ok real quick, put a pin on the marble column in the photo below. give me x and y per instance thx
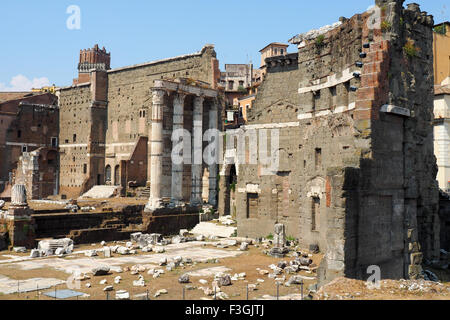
(157, 148)
(177, 168)
(19, 196)
(197, 152)
(213, 168)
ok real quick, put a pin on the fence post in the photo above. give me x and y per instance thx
(215, 294)
(278, 291)
(301, 284)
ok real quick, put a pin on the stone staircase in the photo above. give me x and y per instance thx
(101, 192)
(143, 193)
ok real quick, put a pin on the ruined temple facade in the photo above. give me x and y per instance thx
(107, 119)
(356, 173)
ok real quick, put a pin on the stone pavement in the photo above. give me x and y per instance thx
(10, 286)
(192, 250)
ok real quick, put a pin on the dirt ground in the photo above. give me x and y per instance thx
(348, 289)
(248, 262)
(98, 204)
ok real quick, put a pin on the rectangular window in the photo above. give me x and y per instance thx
(252, 205)
(318, 158)
(345, 94)
(315, 213)
(85, 168)
(74, 138)
(333, 97)
(316, 100)
(54, 142)
(24, 149)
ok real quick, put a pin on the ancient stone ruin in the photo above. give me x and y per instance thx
(351, 112)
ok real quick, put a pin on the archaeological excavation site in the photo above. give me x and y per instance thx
(323, 174)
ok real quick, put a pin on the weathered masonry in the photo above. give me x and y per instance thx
(185, 112)
(356, 174)
(29, 128)
(106, 119)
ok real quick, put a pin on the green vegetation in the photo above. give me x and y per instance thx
(441, 29)
(269, 237)
(242, 90)
(291, 239)
(319, 40)
(233, 186)
(386, 26)
(410, 49)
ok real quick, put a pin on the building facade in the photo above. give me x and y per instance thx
(106, 123)
(347, 121)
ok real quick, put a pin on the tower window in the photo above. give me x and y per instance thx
(318, 158)
(315, 212)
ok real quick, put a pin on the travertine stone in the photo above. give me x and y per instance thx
(197, 154)
(213, 168)
(177, 168)
(19, 195)
(158, 106)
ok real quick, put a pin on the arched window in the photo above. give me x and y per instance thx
(108, 174)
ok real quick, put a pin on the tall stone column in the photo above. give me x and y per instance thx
(157, 148)
(177, 168)
(213, 168)
(197, 152)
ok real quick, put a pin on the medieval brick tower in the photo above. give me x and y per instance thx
(94, 58)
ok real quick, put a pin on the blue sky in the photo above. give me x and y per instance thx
(37, 47)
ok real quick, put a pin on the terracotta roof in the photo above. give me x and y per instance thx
(278, 44)
(7, 96)
(438, 90)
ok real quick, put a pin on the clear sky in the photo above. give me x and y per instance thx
(38, 48)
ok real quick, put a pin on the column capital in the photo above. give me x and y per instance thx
(158, 95)
(179, 98)
(214, 106)
(199, 99)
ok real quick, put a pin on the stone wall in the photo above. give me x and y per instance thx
(444, 218)
(26, 124)
(39, 172)
(356, 173)
(110, 115)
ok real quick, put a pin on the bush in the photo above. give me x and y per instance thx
(440, 29)
(269, 237)
(386, 26)
(319, 40)
(410, 49)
